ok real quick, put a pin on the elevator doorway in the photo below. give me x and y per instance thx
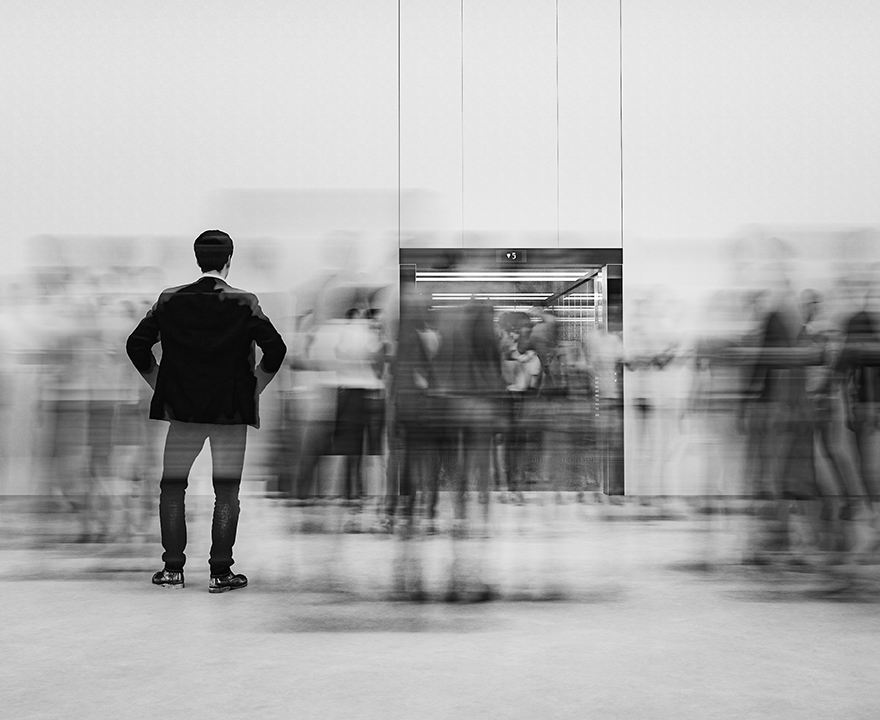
(558, 321)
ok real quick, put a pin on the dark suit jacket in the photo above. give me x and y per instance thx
(208, 331)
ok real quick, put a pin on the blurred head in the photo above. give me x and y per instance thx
(213, 250)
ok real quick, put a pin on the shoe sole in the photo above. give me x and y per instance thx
(215, 591)
(172, 586)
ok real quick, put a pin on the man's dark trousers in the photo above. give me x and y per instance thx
(182, 446)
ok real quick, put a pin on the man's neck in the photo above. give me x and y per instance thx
(214, 273)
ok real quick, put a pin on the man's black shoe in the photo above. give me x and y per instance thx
(224, 583)
(168, 579)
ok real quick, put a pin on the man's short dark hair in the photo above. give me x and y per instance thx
(213, 250)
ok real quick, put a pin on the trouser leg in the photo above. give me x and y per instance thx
(227, 455)
(392, 471)
(182, 445)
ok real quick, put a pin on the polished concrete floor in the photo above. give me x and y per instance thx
(603, 612)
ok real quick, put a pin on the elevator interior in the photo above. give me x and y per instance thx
(579, 421)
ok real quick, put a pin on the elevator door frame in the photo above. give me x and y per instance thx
(609, 263)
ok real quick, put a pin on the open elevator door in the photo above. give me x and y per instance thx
(579, 291)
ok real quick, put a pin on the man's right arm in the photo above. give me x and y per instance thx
(140, 348)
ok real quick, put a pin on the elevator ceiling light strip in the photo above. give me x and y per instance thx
(487, 273)
(498, 308)
(523, 308)
(490, 276)
(490, 296)
(499, 278)
(575, 271)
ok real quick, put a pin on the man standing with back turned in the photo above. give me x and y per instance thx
(206, 387)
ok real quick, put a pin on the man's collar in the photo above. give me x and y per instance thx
(213, 274)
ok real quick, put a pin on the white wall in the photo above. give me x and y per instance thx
(166, 118)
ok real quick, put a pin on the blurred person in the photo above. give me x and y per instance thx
(781, 428)
(22, 370)
(580, 410)
(544, 342)
(715, 394)
(102, 396)
(207, 388)
(652, 347)
(136, 440)
(710, 416)
(375, 446)
(554, 418)
(507, 336)
(357, 352)
(68, 329)
(524, 369)
(413, 423)
(316, 366)
(470, 385)
(859, 361)
(108, 387)
(823, 386)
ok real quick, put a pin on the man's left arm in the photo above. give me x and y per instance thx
(269, 340)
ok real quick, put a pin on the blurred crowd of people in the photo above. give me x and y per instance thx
(796, 381)
(776, 389)
(767, 402)
(75, 432)
(456, 397)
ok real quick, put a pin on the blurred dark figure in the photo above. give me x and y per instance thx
(470, 389)
(781, 426)
(860, 364)
(823, 386)
(412, 425)
(207, 387)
